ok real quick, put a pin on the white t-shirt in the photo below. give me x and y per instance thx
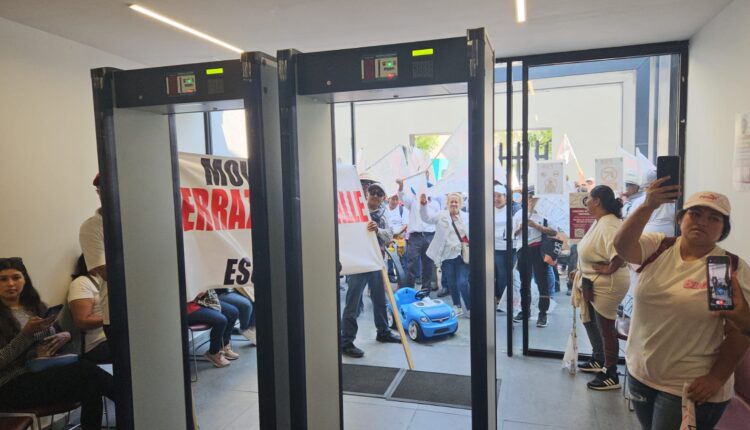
(91, 238)
(83, 288)
(397, 218)
(501, 230)
(415, 220)
(662, 220)
(673, 337)
(534, 234)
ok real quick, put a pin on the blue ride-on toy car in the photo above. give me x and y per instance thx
(421, 316)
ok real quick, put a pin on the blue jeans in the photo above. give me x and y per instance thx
(657, 410)
(243, 305)
(221, 324)
(357, 285)
(456, 274)
(501, 271)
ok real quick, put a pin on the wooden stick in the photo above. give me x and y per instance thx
(397, 318)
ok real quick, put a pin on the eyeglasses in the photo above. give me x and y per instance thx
(377, 193)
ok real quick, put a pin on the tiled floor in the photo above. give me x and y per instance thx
(535, 393)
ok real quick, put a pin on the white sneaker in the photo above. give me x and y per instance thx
(250, 335)
(229, 354)
(458, 310)
(217, 359)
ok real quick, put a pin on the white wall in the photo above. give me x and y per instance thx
(48, 150)
(718, 88)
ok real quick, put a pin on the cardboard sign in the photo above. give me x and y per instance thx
(358, 248)
(580, 218)
(610, 172)
(216, 225)
(550, 178)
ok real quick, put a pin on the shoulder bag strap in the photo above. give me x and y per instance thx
(665, 244)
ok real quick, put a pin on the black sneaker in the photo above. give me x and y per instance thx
(541, 320)
(605, 380)
(592, 366)
(352, 351)
(444, 292)
(518, 318)
(388, 338)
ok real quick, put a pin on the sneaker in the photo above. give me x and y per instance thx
(458, 310)
(444, 292)
(388, 338)
(569, 292)
(605, 380)
(541, 320)
(500, 310)
(249, 334)
(518, 318)
(229, 354)
(352, 351)
(592, 366)
(467, 314)
(217, 359)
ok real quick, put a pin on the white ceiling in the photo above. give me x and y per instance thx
(313, 25)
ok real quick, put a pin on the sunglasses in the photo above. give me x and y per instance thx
(377, 193)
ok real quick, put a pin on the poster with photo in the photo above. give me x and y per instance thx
(741, 177)
(610, 172)
(550, 178)
(580, 218)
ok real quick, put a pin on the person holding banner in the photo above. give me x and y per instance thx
(451, 237)
(420, 237)
(378, 224)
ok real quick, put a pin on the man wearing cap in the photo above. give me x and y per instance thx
(91, 239)
(398, 219)
(632, 193)
(502, 231)
(356, 284)
(420, 237)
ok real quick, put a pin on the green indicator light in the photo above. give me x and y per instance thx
(422, 52)
(216, 71)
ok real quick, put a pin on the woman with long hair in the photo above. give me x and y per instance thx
(601, 283)
(24, 335)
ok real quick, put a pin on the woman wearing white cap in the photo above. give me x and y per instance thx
(675, 343)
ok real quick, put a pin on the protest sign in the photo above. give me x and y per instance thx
(216, 224)
(580, 218)
(358, 248)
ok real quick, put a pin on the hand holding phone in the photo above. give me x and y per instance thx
(53, 311)
(719, 278)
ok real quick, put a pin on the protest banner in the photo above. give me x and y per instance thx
(550, 178)
(358, 248)
(216, 224)
(580, 218)
(610, 172)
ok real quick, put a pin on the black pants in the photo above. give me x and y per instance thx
(416, 249)
(532, 255)
(100, 354)
(603, 337)
(81, 382)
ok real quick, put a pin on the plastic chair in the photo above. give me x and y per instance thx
(622, 327)
(192, 329)
(36, 414)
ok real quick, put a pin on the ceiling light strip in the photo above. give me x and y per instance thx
(521, 10)
(183, 27)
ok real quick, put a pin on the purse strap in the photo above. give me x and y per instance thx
(460, 239)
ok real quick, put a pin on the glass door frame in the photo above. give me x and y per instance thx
(679, 48)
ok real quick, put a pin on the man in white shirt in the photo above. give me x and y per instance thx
(91, 238)
(420, 237)
(398, 218)
(532, 255)
(501, 245)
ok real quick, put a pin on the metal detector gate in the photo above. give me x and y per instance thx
(308, 84)
(134, 113)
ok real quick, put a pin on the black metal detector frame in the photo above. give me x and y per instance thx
(217, 85)
(307, 83)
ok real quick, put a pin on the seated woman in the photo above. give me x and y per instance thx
(451, 231)
(84, 305)
(244, 307)
(675, 341)
(25, 335)
(221, 317)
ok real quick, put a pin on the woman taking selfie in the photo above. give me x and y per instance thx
(676, 342)
(25, 335)
(602, 282)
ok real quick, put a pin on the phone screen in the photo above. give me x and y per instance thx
(53, 311)
(719, 285)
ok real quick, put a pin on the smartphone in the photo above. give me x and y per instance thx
(668, 165)
(719, 283)
(53, 311)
